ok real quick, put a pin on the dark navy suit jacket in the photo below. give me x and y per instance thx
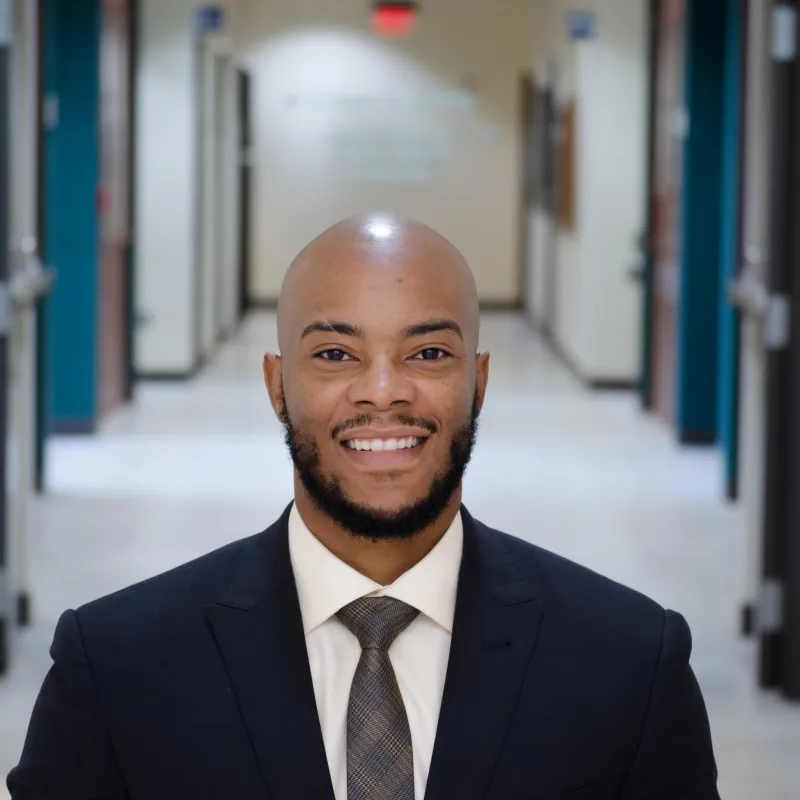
(196, 684)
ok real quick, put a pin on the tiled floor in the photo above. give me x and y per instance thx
(192, 466)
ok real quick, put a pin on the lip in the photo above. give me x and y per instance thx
(377, 460)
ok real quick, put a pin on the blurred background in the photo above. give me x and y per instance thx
(622, 175)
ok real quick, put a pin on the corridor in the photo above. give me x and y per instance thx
(191, 466)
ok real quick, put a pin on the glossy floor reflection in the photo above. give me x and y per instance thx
(192, 466)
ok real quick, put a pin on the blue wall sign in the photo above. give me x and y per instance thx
(210, 19)
(582, 25)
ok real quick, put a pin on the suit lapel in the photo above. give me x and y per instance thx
(259, 631)
(495, 629)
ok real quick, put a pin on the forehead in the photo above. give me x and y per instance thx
(380, 294)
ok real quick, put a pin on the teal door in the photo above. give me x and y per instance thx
(730, 239)
(71, 147)
(701, 278)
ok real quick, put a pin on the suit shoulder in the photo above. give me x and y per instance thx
(582, 597)
(190, 585)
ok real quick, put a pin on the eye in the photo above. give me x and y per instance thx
(431, 354)
(333, 355)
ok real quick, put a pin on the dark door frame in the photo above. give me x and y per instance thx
(778, 609)
(527, 99)
(42, 371)
(549, 283)
(646, 243)
(244, 88)
(6, 603)
(130, 253)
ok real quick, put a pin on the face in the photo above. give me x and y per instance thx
(379, 394)
(364, 519)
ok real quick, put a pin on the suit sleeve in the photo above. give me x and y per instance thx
(675, 758)
(67, 751)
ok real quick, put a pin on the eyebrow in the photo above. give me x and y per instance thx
(409, 332)
(432, 326)
(332, 326)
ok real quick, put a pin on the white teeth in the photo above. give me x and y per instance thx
(380, 445)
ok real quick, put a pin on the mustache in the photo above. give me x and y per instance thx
(364, 420)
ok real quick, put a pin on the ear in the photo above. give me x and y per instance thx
(273, 379)
(481, 377)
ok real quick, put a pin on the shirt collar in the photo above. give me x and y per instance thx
(325, 583)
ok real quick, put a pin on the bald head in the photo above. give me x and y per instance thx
(378, 332)
(376, 258)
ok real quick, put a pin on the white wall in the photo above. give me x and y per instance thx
(169, 298)
(597, 314)
(308, 57)
(165, 181)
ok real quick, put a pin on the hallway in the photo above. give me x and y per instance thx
(191, 466)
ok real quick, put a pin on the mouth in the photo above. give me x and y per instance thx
(384, 453)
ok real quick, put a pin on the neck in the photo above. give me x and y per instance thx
(384, 560)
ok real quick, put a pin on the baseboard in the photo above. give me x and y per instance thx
(172, 377)
(612, 385)
(74, 427)
(166, 377)
(594, 384)
(23, 610)
(700, 438)
(5, 645)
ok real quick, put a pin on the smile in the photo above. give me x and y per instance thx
(382, 445)
(379, 454)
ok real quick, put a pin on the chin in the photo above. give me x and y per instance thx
(385, 502)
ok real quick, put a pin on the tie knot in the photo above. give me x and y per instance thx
(377, 621)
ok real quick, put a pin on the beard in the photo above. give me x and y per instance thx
(362, 520)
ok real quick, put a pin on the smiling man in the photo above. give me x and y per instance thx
(377, 642)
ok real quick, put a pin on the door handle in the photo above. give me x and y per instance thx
(636, 271)
(32, 280)
(749, 295)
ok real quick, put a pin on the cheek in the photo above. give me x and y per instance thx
(453, 406)
(315, 407)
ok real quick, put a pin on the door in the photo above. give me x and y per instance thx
(29, 282)
(218, 200)
(643, 270)
(527, 108)
(545, 233)
(245, 187)
(6, 593)
(114, 205)
(778, 606)
(540, 201)
(226, 156)
(735, 22)
(768, 292)
(749, 292)
(207, 228)
(669, 131)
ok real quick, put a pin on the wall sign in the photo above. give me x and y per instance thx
(210, 19)
(582, 25)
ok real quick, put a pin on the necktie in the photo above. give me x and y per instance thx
(380, 763)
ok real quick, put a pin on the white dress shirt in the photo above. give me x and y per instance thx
(419, 655)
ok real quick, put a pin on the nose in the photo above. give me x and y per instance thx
(382, 384)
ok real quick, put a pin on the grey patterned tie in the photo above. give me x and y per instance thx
(380, 762)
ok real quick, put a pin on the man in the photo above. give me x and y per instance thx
(376, 642)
